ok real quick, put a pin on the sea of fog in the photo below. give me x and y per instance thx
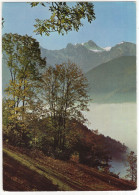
(119, 121)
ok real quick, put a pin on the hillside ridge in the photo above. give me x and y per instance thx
(113, 81)
(70, 177)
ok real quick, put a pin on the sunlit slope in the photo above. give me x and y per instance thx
(114, 81)
(41, 173)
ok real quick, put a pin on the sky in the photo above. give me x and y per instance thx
(115, 22)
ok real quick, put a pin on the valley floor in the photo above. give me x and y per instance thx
(32, 171)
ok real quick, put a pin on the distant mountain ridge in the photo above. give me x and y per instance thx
(111, 71)
(113, 81)
(92, 46)
(88, 55)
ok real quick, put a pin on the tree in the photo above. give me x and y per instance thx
(23, 58)
(66, 97)
(132, 166)
(92, 148)
(64, 17)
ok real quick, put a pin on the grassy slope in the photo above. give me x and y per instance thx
(40, 173)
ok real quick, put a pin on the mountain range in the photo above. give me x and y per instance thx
(88, 55)
(111, 71)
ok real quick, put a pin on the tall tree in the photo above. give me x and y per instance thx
(64, 17)
(132, 166)
(66, 97)
(23, 58)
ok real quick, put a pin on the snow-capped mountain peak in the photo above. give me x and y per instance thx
(121, 43)
(107, 48)
(96, 50)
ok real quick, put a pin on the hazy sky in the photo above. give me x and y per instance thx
(115, 22)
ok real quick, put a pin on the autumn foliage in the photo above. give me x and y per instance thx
(43, 107)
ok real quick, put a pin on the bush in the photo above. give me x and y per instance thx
(45, 144)
(62, 154)
(17, 136)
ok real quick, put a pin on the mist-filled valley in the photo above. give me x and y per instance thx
(117, 121)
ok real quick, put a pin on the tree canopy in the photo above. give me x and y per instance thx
(23, 58)
(65, 17)
(65, 94)
(132, 166)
